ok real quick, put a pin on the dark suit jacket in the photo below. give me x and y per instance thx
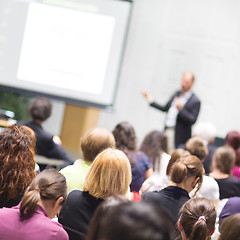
(185, 118)
(45, 145)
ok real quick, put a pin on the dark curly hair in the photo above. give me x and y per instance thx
(17, 163)
(153, 143)
(40, 108)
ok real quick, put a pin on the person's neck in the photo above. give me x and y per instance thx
(37, 121)
(216, 173)
(182, 185)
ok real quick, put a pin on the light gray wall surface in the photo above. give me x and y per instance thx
(168, 37)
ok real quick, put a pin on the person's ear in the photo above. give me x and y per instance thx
(195, 181)
(59, 201)
(180, 226)
(212, 232)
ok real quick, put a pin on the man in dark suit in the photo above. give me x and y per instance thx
(182, 110)
(46, 145)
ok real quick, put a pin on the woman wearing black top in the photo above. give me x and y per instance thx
(184, 175)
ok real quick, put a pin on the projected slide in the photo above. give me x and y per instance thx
(66, 48)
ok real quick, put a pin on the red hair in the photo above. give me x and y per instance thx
(17, 163)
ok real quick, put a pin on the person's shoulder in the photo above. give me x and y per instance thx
(61, 234)
(151, 196)
(195, 98)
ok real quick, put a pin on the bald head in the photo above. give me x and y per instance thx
(187, 81)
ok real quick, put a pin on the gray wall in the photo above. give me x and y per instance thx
(168, 37)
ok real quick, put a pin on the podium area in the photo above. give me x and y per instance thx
(76, 121)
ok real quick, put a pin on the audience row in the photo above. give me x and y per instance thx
(174, 190)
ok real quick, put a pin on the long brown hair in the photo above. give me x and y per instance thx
(126, 140)
(17, 163)
(153, 143)
(48, 185)
(198, 217)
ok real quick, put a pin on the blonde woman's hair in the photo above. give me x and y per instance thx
(110, 174)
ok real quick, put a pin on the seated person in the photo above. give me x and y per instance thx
(154, 145)
(231, 207)
(92, 143)
(130, 221)
(17, 144)
(109, 175)
(209, 188)
(207, 132)
(159, 181)
(31, 219)
(126, 141)
(46, 145)
(230, 228)
(197, 219)
(185, 174)
(222, 164)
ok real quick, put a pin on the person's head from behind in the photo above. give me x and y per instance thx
(197, 147)
(40, 109)
(154, 144)
(223, 159)
(94, 141)
(230, 228)
(110, 174)
(233, 139)
(131, 221)
(17, 163)
(197, 219)
(125, 136)
(187, 172)
(187, 81)
(176, 154)
(102, 210)
(205, 130)
(49, 190)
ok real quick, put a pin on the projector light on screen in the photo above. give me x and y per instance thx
(69, 57)
(70, 50)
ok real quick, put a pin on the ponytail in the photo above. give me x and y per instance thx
(48, 185)
(199, 230)
(29, 203)
(185, 167)
(198, 217)
(178, 172)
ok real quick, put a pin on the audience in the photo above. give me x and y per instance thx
(230, 229)
(233, 139)
(131, 221)
(154, 145)
(209, 188)
(197, 219)
(47, 145)
(92, 143)
(236, 169)
(185, 174)
(102, 210)
(17, 163)
(158, 181)
(109, 174)
(231, 207)
(41, 202)
(222, 164)
(207, 132)
(125, 138)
